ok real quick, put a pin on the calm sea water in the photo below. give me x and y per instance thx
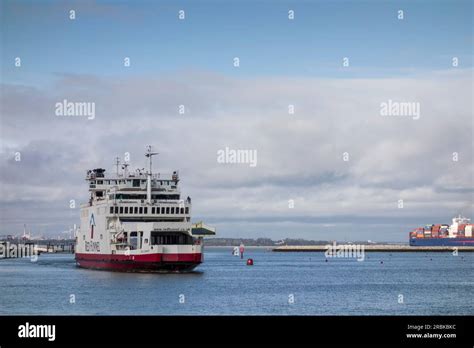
(430, 283)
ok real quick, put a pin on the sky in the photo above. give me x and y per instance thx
(282, 62)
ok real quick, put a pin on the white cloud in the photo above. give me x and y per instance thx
(299, 156)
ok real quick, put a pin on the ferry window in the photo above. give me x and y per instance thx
(99, 182)
(133, 240)
(116, 210)
(126, 210)
(136, 210)
(187, 210)
(158, 238)
(167, 210)
(101, 236)
(121, 210)
(146, 240)
(136, 183)
(172, 210)
(182, 210)
(162, 210)
(141, 210)
(99, 193)
(145, 210)
(111, 210)
(153, 210)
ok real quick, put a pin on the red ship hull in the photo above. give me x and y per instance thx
(140, 263)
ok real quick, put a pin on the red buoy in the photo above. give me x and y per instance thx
(249, 262)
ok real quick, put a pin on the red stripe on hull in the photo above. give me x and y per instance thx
(140, 263)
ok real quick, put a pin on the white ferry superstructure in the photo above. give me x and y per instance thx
(136, 222)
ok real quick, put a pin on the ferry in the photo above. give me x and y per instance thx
(137, 222)
(459, 233)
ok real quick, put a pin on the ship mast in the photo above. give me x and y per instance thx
(149, 154)
(117, 164)
(125, 169)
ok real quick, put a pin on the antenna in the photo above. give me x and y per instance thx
(125, 170)
(149, 153)
(117, 164)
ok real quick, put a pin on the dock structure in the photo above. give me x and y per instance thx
(38, 246)
(374, 247)
(202, 230)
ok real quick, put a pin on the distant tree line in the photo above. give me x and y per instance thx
(260, 242)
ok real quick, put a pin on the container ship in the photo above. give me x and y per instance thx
(459, 233)
(137, 222)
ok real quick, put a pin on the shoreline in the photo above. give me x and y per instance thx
(378, 247)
